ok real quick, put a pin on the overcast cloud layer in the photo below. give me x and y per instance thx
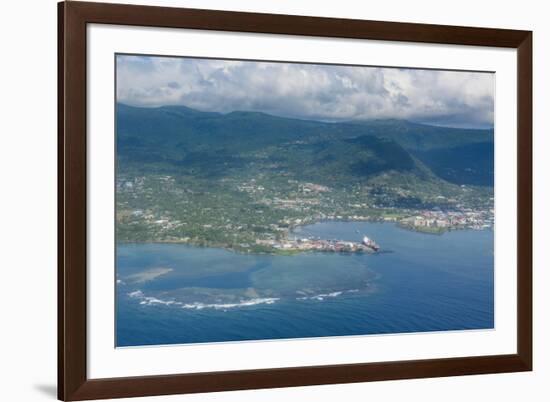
(306, 91)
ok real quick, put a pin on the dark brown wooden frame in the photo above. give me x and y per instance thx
(73, 383)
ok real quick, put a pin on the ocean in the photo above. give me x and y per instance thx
(178, 294)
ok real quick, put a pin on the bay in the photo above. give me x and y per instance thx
(177, 294)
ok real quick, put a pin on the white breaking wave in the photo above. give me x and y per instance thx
(323, 296)
(153, 300)
(223, 306)
(149, 301)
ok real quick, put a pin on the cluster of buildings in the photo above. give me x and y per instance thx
(309, 244)
(451, 219)
(250, 187)
(316, 188)
(297, 204)
(129, 184)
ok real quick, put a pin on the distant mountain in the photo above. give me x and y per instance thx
(423, 137)
(465, 164)
(215, 144)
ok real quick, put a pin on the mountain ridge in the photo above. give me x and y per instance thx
(382, 121)
(186, 138)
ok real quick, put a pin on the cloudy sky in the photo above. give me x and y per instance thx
(308, 91)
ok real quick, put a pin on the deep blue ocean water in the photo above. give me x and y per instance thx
(170, 293)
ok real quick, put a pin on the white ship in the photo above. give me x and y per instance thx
(370, 243)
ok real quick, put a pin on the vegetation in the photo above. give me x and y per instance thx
(233, 180)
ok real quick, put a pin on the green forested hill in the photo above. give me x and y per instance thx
(422, 137)
(231, 179)
(179, 139)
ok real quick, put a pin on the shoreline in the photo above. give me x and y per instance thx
(269, 250)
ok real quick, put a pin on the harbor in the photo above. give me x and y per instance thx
(367, 245)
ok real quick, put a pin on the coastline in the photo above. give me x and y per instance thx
(399, 285)
(269, 250)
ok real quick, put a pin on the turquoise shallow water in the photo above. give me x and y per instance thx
(169, 293)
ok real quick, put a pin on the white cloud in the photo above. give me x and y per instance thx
(310, 91)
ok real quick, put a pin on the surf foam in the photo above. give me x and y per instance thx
(223, 306)
(149, 301)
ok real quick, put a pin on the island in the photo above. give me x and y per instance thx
(245, 181)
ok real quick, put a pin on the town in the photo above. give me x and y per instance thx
(439, 221)
(260, 214)
(311, 244)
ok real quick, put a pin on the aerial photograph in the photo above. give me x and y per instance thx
(263, 200)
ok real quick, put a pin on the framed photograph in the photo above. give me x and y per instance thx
(254, 200)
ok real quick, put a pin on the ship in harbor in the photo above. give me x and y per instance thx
(370, 243)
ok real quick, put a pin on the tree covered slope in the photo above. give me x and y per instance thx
(213, 145)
